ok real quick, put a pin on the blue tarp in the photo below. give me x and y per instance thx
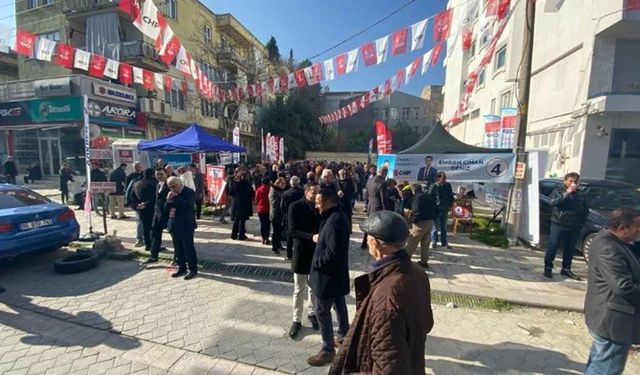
(192, 139)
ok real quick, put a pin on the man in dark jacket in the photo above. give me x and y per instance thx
(10, 170)
(159, 222)
(294, 194)
(143, 200)
(393, 302)
(198, 180)
(329, 277)
(378, 196)
(132, 178)
(304, 222)
(182, 225)
(96, 175)
(569, 212)
(442, 191)
(612, 303)
(424, 211)
(119, 177)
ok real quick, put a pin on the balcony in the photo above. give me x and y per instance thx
(155, 108)
(231, 27)
(143, 55)
(229, 57)
(78, 7)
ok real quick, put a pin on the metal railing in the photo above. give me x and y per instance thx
(70, 6)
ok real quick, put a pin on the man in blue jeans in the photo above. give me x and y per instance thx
(569, 212)
(442, 192)
(612, 303)
(329, 275)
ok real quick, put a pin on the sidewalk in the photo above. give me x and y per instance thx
(470, 268)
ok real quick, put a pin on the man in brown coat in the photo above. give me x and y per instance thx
(393, 316)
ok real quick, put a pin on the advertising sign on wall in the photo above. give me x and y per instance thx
(14, 113)
(104, 113)
(56, 109)
(216, 184)
(117, 93)
(497, 168)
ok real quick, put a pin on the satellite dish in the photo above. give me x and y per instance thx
(94, 131)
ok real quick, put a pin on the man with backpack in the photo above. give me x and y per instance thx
(132, 178)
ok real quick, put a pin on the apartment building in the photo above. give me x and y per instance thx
(584, 110)
(227, 53)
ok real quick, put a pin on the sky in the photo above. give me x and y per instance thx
(310, 27)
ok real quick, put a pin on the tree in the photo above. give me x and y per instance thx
(290, 61)
(273, 50)
(358, 141)
(404, 136)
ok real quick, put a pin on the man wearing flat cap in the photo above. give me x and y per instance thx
(393, 302)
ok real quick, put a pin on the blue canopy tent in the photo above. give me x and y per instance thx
(192, 139)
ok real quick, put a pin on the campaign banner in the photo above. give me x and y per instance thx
(508, 127)
(175, 160)
(216, 184)
(498, 168)
(236, 141)
(387, 161)
(492, 134)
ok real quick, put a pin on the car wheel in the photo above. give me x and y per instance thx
(78, 262)
(586, 246)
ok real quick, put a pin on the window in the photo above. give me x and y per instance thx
(47, 2)
(505, 100)
(472, 50)
(493, 106)
(405, 113)
(501, 59)
(416, 113)
(481, 79)
(393, 112)
(177, 99)
(208, 35)
(475, 114)
(172, 9)
(54, 35)
(20, 198)
(32, 4)
(385, 114)
(376, 115)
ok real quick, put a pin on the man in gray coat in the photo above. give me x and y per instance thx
(612, 303)
(378, 196)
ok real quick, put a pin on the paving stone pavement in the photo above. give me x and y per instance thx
(470, 268)
(124, 318)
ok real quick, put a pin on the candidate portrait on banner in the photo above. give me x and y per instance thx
(428, 172)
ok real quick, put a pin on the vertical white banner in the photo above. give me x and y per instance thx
(236, 141)
(281, 149)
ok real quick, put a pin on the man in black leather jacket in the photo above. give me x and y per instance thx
(568, 214)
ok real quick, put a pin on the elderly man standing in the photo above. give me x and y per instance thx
(393, 314)
(329, 277)
(378, 196)
(182, 225)
(294, 194)
(612, 303)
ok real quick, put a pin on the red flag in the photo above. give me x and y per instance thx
(387, 87)
(168, 82)
(400, 75)
(442, 25)
(436, 53)
(341, 64)
(301, 78)
(399, 42)
(491, 8)
(126, 74)
(148, 78)
(382, 138)
(96, 67)
(130, 7)
(171, 50)
(467, 37)
(284, 83)
(25, 42)
(632, 5)
(272, 83)
(503, 8)
(316, 72)
(64, 55)
(369, 54)
(472, 79)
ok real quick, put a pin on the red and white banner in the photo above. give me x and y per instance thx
(111, 69)
(383, 138)
(399, 42)
(418, 30)
(98, 63)
(216, 180)
(150, 22)
(65, 55)
(45, 49)
(25, 43)
(491, 138)
(82, 59)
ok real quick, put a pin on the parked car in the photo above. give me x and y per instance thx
(603, 196)
(30, 222)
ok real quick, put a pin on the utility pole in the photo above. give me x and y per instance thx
(514, 207)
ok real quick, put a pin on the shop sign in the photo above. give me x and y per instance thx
(135, 133)
(116, 93)
(13, 113)
(103, 187)
(53, 87)
(104, 113)
(56, 109)
(125, 156)
(100, 154)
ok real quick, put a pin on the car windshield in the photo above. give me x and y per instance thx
(20, 198)
(608, 198)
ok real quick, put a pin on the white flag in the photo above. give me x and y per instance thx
(159, 78)
(417, 34)
(381, 49)
(194, 70)
(311, 79)
(149, 21)
(292, 81)
(276, 85)
(426, 61)
(352, 61)
(182, 62)
(81, 60)
(137, 75)
(167, 35)
(111, 69)
(329, 73)
(45, 48)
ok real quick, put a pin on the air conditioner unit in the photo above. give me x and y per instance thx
(145, 105)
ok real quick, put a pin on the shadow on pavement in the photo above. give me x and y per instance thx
(502, 358)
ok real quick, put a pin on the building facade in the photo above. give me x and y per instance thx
(584, 109)
(227, 53)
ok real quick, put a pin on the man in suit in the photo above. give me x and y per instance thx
(442, 192)
(159, 222)
(294, 194)
(304, 222)
(612, 303)
(182, 226)
(428, 173)
(329, 274)
(378, 196)
(143, 200)
(198, 180)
